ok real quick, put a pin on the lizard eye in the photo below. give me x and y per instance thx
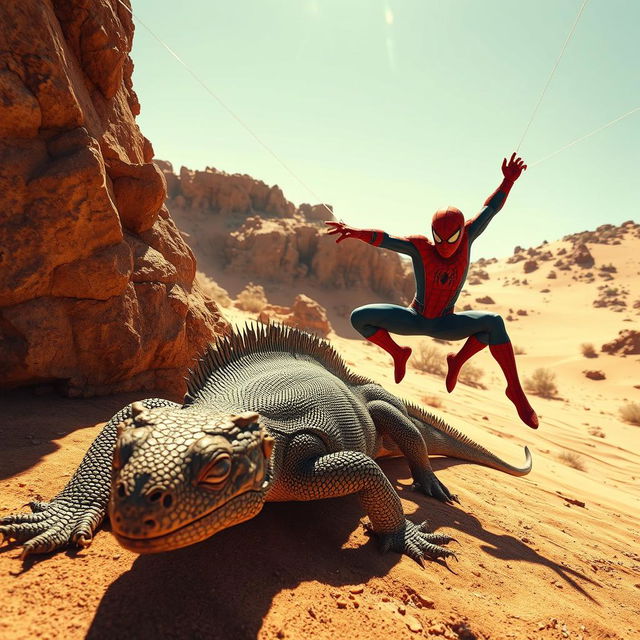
(216, 472)
(436, 237)
(454, 237)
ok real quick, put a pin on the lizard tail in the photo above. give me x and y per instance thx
(443, 439)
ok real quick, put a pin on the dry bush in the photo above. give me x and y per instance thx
(470, 375)
(519, 351)
(588, 350)
(432, 401)
(428, 359)
(572, 459)
(542, 383)
(631, 413)
(213, 290)
(252, 298)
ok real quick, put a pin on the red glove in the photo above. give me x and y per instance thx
(511, 171)
(514, 168)
(370, 236)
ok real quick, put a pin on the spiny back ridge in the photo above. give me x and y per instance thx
(258, 338)
(441, 425)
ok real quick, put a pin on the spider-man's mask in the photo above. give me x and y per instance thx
(447, 227)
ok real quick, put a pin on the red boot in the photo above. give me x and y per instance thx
(456, 360)
(503, 353)
(399, 354)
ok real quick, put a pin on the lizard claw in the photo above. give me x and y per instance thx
(427, 483)
(83, 540)
(412, 541)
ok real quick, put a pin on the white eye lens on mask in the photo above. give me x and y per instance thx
(454, 237)
(436, 237)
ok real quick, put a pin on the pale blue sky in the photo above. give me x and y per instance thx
(391, 109)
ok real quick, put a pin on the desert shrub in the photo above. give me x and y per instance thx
(428, 358)
(519, 351)
(213, 290)
(588, 350)
(572, 459)
(542, 383)
(631, 413)
(470, 375)
(252, 298)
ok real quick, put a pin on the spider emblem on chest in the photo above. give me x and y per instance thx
(444, 277)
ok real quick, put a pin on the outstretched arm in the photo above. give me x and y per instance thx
(511, 171)
(371, 236)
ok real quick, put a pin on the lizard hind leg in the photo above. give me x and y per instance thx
(389, 420)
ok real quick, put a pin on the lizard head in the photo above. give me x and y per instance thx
(181, 475)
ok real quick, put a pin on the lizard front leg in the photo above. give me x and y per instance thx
(310, 473)
(391, 421)
(77, 511)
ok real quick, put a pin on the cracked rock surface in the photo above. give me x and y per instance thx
(97, 286)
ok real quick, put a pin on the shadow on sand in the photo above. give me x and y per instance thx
(31, 423)
(224, 586)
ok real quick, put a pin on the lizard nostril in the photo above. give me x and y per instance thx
(155, 496)
(150, 523)
(166, 501)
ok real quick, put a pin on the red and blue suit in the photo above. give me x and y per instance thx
(440, 268)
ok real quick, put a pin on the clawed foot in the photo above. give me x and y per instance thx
(52, 525)
(414, 541)
(427, 483)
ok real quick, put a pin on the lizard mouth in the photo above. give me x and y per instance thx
(196, 530)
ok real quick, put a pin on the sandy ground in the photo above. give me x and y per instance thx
(534, 563)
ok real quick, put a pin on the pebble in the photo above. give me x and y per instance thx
(356, 589)
(414, 624)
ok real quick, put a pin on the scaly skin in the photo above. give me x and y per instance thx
(272, 414)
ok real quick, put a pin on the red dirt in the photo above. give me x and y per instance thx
(531, 564)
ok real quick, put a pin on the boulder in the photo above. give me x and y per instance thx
(97, 288)
(627, 343)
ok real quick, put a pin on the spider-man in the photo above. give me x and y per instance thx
(440, 269)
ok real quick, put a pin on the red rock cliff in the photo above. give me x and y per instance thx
(96, 284)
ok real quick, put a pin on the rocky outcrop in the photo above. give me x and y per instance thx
(224, 193)
(626, 344)
(261, 235)
(582, 256)
(305, 314)
(96, 282)
(290, 250)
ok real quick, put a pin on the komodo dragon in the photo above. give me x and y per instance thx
(271, 414)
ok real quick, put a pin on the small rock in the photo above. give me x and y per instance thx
(414, 624)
